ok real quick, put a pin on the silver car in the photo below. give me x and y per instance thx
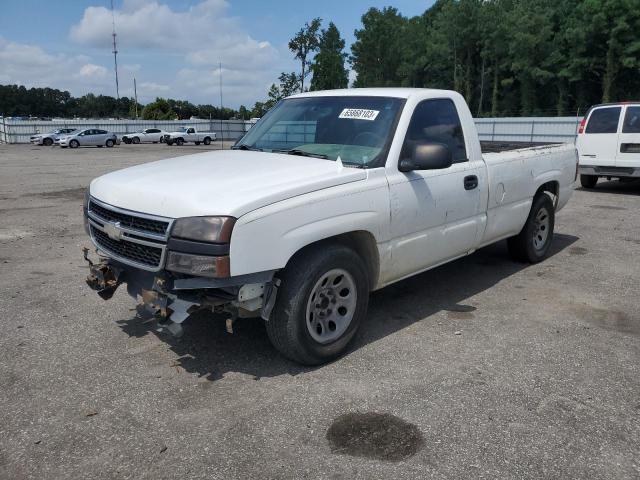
(49, 139)
(89, 137)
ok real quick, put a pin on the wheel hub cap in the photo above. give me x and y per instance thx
(331, 306)
(541, 229)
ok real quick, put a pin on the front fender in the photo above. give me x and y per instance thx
(266, 238)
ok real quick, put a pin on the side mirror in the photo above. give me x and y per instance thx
(427, 156)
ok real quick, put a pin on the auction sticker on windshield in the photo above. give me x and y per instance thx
(359, 113)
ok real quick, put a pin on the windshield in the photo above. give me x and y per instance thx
(356, 129)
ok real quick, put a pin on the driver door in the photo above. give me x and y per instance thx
(434, 213)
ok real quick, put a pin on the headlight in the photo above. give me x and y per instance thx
(204, 229)
(201, 265)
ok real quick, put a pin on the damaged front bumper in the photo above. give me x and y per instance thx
(171, 299)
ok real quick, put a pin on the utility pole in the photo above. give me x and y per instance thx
(115, 49)
(221, 109)
(135, 95)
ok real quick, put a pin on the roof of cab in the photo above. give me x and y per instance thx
(376, 92)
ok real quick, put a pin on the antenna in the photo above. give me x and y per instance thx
(115, 49)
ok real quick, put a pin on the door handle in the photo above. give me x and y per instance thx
(470, 182)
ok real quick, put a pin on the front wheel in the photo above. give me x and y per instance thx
(588, 181)
(321, 302)
(135, 140)
(532, 244)
(179, 142)
(74, 144)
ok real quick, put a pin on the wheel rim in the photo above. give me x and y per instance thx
(541, 224)
(331, 305)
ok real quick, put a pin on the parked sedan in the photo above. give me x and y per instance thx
(48, 139)
(89, 137)
(149, 135)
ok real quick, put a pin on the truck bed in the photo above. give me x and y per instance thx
(496, 147)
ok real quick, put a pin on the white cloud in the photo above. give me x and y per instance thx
(172, 53)
(203, 34)
(91, 70)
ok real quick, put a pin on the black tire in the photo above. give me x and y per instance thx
(179, 142)
(154, 142)
(99, 146)
(161, 139)
(74, 144)
(110, 143)
(287, 327)
(169, 142)
(529, 246)
(207, 141)
(197, 143)
(47, 142)
(588, 181)
(126, 140)
(135, 140)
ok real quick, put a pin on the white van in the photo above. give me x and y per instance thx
(609, 143)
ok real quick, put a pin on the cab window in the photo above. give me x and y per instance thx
(436, 121)
(604, 120)
(631, 120)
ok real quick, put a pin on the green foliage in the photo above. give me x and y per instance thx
(507, 57)
(375, 54)
(305, 42)
(47, 102)
(328, 64)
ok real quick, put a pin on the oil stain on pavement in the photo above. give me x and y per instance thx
(378, 436)
(460, 312)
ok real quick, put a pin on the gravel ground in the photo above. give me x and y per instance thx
(482, 368)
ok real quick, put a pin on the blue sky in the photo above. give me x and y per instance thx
(171, 47)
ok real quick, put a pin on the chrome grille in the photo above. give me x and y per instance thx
(129, 221)
(130, 237)
(138, 253)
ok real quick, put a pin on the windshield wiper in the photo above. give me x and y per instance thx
(302, 153)
(246, 147)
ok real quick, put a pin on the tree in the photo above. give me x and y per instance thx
(158, 110)
(303, 43)
(328, 64)
(375, 55)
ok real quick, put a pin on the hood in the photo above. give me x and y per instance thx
(231, 182)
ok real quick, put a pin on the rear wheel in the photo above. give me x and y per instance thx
(588, 181)
(532, 243)
(321, 302)
(74, 144)
(47, 142)
(110, 143)
(197, 143)
(169, 142)
(207, 141)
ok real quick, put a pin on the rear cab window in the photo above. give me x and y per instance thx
(604, 120)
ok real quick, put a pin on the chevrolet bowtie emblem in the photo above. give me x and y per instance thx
(113, 230)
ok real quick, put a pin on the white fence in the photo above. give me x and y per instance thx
(525, 129)
(19, 131)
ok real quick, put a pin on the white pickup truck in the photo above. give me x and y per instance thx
(330, 196)
(189, 134)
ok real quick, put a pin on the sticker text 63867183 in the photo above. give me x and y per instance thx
(359, 113)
